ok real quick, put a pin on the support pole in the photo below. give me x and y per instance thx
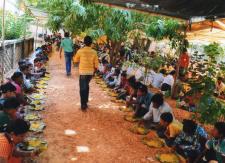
(36, 35)
(3, 42)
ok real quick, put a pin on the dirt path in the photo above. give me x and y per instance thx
(102, 129)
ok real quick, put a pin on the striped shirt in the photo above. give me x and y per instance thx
(88, 59)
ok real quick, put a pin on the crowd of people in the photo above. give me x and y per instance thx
(14, 97)
(187, 138)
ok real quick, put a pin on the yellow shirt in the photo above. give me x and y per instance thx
(174, 129)
(88, 59)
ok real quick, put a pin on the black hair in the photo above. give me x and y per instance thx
(8, 87)
(18, 127)
(11, 103)
(37, 60)
(66, 34)
(124, 74)
(158, 99)
(21, 62)
(16, 75)
(184, 50)
(189, 126)
(131, 80)
(143, 88)
(220, 126)
(167, 117)
(220, 78)
(163, 71)
(23, 68)
(87, 40)
(117, 71)
(173, 72)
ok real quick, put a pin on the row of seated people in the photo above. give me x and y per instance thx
(187, 138)
(13, 99)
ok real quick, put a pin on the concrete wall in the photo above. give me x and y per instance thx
(14, 51)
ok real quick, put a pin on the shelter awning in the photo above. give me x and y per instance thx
(184, 9)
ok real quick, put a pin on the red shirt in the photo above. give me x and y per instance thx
(184, 60)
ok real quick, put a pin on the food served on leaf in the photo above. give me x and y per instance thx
(42, 82)
(37, 126)
(154, 142)
(37, 102)
(125, 109)
(139, 130)
(131, 118)
(37, 108)
(41, 86)
(32, 117)
(113, 94)
(118, 101)
(168, 158)
(46, 78)
(34, 144)
(37, 96)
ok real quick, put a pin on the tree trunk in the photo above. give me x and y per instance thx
(147, 44)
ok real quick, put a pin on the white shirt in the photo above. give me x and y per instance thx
(169, 80)
(157, 80)
(155, 114)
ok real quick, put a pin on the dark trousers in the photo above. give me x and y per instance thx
(140, 111)
(84, 88)
(165, 87)
(68, 59)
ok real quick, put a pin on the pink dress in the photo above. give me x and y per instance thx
(18, 87)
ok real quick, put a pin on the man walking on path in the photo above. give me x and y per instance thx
(67, 45)
(88, 63)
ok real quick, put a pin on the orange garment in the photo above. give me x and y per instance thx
(6, 147)
(184, 60)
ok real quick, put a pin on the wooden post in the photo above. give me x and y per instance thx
(3, 41)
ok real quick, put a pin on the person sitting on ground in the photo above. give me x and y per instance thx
(169, 128)
(168, 82)
(115, 78)
(158, 78)
(9, 149)
(143, 101)
(220, 88)
(27, 83)
(215, 147)
(123, 88)
(9, 113)
(131, 100)
(187, 143)
(158, 106)
(123, 81)
(17, 81)
(39, 66)
(8, 90)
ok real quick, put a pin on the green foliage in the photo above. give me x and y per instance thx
(213, 51)
(15, 27)
(210, 109)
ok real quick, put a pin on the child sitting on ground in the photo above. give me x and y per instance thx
(114, 78)
(9, 113)
(158, 106)
(216, 146)
(143, 101)
(169, 128)
(187, 142)
(8, 90)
